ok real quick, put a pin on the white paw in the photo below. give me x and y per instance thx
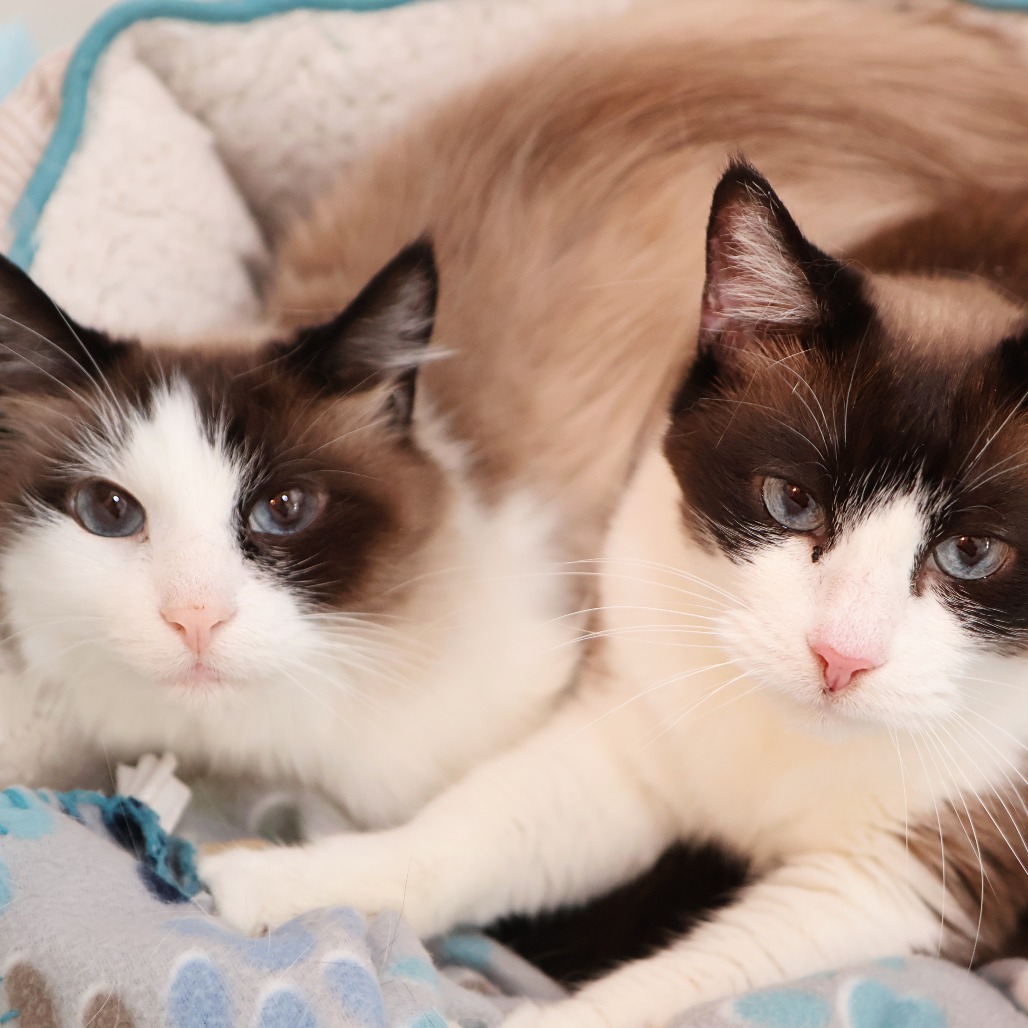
(259, 889)
(254, 890)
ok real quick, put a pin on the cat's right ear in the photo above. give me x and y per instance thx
(765, 278)
(766, 283)
(41, 348)
(380, 340)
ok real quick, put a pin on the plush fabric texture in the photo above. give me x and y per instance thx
(184, 143)
(102, 924)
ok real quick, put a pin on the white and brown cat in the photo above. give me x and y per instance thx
(813, 653)
(272, 559)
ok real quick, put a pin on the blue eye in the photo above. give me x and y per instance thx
(284, 512)
(970, 557)
(792, 506)
(108, 510)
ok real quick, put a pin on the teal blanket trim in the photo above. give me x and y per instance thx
(77, 79)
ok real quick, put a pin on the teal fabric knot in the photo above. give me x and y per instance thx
(167, 863)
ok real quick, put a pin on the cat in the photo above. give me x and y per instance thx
(272, 558)
(816, 614)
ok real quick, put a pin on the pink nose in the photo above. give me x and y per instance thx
(196, 625)
(838, 668)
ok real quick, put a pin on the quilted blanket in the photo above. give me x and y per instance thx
(144, 178)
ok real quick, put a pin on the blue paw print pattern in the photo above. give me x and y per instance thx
(23, 815)
(413, 969)
(279, 950)
(285, 1009)
(357, 990)
(873, 1004)
(784, 1008)
(198, 997)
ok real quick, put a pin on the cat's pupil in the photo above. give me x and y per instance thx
(796, 499)
(971, 549)
(115, 506)
(286, 505)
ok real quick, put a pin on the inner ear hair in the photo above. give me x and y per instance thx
(756, 259)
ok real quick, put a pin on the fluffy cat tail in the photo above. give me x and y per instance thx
(567, 199)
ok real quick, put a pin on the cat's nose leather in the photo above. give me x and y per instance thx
(196, 624)
(839, 669)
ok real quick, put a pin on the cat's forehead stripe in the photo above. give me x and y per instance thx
(173, 464)
(892, 531)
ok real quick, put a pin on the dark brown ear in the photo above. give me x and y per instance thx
(380, 339)
(765, 283)
(763, 276)
(41, 348)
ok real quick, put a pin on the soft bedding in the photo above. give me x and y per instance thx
(102, 924)
(143, 180)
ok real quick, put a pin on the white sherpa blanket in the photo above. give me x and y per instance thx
(142, 192)
(143, 174)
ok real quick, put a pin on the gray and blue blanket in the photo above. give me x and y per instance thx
(103, 924)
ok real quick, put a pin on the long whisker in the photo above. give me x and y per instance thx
(975, 845)
(670, 569)
(101, 416)
(903, 783)
(988, 442)
(636, 697)
(659, 731)
(942, 845)
(104, 382)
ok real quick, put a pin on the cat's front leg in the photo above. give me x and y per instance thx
(256, 889)
(817, 914)
(555, 820)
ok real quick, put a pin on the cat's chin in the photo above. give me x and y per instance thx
(840, 718)
(199, 680)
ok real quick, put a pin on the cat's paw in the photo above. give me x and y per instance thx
(254, 890)
(259, 890)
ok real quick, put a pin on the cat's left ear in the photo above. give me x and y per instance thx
(380, 339)
(764, 278)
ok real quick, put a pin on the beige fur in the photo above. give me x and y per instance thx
(567, 200)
